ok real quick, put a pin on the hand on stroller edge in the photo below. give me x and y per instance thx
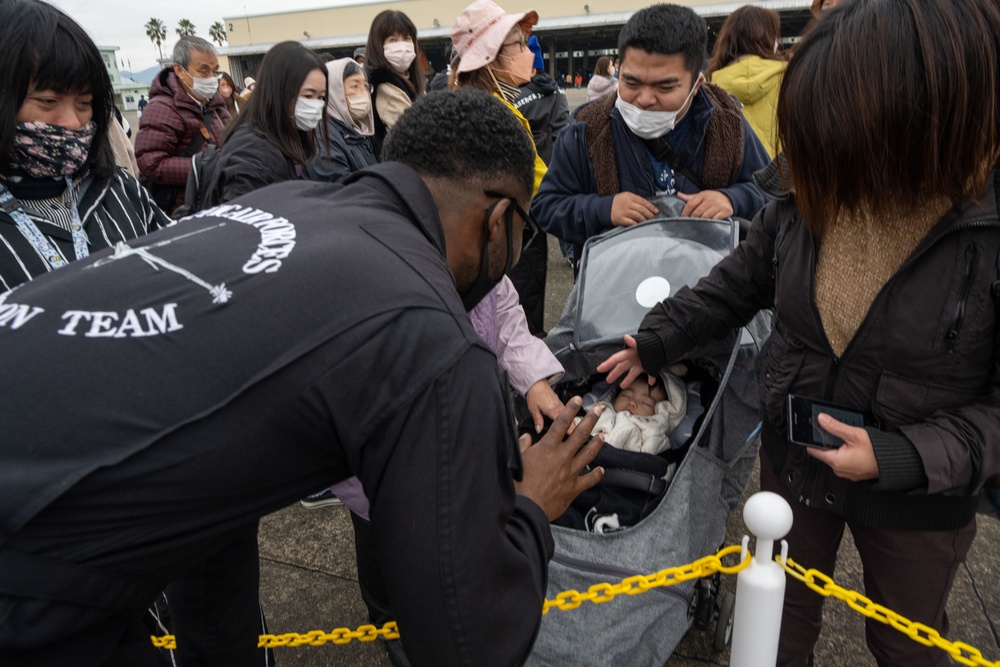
(552, 466)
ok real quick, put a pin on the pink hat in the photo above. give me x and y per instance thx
(481, 29)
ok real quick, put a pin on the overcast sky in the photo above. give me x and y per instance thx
(120, 22)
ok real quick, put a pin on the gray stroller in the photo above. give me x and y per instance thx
(623, 273)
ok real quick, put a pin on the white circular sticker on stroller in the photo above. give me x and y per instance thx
(652, 291)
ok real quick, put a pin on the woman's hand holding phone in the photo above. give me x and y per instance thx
(855, 459)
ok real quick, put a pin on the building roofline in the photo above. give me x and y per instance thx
(544, 25)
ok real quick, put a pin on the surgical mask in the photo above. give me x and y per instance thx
(308, 113)
(50, 151)
(650, 124)
(359, 106)
(204, 89)
(400, 55)
(520, 66)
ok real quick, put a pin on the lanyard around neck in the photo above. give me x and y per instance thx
(42, 245)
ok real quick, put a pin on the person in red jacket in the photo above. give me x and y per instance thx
(184, 115)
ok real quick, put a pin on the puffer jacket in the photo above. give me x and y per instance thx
(755, 82)
(924, 363)
(600, 85)
(169, 123)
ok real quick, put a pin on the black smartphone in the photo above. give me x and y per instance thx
(803, 428)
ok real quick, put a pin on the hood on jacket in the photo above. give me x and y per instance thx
(601, 85)
(750, 77)
(166, 84)
(336, 99)
(543, 84)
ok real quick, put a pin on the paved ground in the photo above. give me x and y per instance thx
(309, 579)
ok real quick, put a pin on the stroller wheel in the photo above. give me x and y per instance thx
(724, 625)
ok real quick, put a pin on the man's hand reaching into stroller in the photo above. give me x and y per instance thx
(552, 466)
(625, 363)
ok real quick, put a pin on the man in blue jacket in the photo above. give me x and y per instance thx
(667, 131)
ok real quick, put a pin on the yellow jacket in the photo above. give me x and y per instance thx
(756, 81)
(540, 167)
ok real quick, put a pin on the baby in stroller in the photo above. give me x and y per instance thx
(642, 417)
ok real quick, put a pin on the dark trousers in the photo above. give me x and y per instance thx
(372, 586)
(528, 276)
(215, 608)
(909, 571)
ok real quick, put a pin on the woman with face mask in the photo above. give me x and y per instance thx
(492, 54)
(227, 91)
(350, 124)
(63, 197)
(392, 63)
(274, 137)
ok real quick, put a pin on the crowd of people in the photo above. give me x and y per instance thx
(325, 284)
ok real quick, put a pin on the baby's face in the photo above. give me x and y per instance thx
(640, 399)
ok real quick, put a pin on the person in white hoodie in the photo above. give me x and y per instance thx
(350, 124)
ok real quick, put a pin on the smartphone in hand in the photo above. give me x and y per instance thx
(804, 428)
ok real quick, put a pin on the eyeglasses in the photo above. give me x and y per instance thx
(531, 228)
(205, 75)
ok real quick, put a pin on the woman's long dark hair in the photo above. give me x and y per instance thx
(41, 46)
(385, 25)
(270, 110)
(749, 31)
(231, 100)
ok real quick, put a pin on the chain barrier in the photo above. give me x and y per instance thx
(599, 593)
(703, 567)
(959, 651)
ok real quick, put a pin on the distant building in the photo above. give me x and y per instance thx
(574, 33)
(127, 91)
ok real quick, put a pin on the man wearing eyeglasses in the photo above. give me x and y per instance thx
(221, 369)
(184, 115)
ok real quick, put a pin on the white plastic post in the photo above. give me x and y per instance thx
(760, 588)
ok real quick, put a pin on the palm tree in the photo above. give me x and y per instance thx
(217, 33)
(157, 32)
(185, 28)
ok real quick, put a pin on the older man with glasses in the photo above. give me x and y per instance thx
(184, 115)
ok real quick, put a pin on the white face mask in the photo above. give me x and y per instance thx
(400, 55)
(650, 124)
(308, 113)
(204, 89)
(359, 106)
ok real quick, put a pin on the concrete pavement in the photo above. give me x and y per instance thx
(309, 578)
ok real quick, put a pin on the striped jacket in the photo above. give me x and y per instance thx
(117, 210)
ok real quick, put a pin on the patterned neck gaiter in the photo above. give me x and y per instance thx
(50, 151)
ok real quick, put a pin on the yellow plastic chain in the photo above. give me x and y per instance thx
(635, 585)
(641, 583)
(597, 593)
(918, 632)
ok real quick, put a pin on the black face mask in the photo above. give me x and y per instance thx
(484, 283)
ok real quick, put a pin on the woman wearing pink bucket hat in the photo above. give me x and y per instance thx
(492, 54)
